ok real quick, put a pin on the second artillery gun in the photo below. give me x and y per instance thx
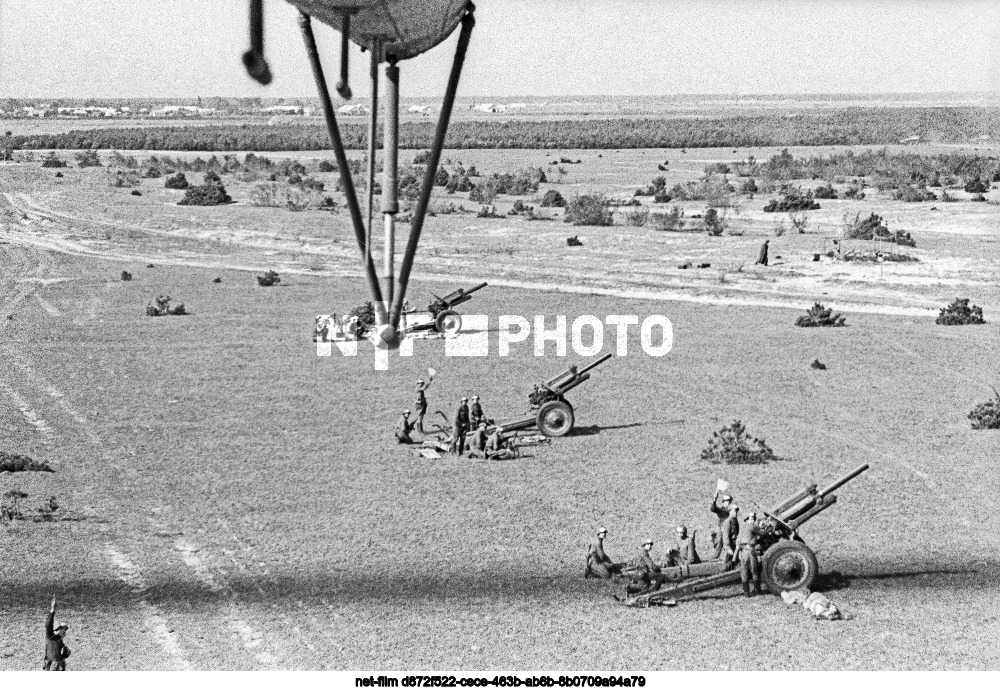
(441, 315)
(787, 563)
(551, 413)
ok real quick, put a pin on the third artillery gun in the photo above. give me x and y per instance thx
(551, 413)
(441, 315)
(787, 562)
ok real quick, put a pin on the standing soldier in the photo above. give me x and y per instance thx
(720, 507)
(648, 574)
(420, 405)
(461, 426)
(749, 559)
(403, 429)
(56, 651)
(686, 552)
(599, 564)
(476, 414)
(728, 534)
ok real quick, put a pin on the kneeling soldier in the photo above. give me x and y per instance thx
(648, 574)
(403, 429)
(599, 564)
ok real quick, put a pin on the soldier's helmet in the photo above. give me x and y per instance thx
(420, 381)
(499, 429)
(647, 542)
(475, 398)
(726, 498)
(733, 510)
(464, 399)
(752, 516)
(602, 531)
(62, 627)
(483, 424)
(682, 530)
(406, 412)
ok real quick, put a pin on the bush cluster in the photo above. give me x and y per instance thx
(987, 415)
(269, 279)
(211, 193)
(818, 315)
(960, 313)
(734, 445)
(162, 308)
(589, 210)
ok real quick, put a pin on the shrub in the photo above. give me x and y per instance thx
(152, 172)
(162, 308)
(366, 318)
(636, 217)
(799, 222)
(909, 193)
(977, 186)
(326, 167)
(589, 210)
(959, 313)
(442, 178)
(712, 189)
(874, 227)
(855, 191)
(269, 279)
(793, 200)
(88, 159)
(176, 182)
(488, 211)
(714, 223)
(749, 187)
(552, 198)
(818, 315)
(136, 193)
(975, 197)
(126, 276)
(421, 157)
(670, 221)
(872, 256)
(987, 415)
(825, 192)
(732, 444)
(17, 463)
(123, 178)
(53, 161)
(484, 193)
(816, 364)
(209, 194)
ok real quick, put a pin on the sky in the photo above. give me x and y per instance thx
(188, 48)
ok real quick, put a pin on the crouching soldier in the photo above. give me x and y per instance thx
(56, 651)
(403, 429)
(648, 576)
(599, 564)
(749, 556)
(477, 441)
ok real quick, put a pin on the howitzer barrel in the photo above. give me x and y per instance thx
(844, 480)
(462, 292)
(595, 363)
(796, 511)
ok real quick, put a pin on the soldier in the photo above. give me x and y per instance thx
(747, 543)
(648, 574)
(403, 429)
(460, 427)
(728, 534)
(476, 414)
(534, 398)
(477, 442)
(720, 507)
(420, 405)
(599, 564)
(686, 552)
(56, 651)
(762, 257)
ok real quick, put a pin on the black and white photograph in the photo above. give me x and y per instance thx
(507, 343)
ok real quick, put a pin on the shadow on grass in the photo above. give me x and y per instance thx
(398, 587)
(591, 430)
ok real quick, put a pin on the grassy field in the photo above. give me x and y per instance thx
(233, 501)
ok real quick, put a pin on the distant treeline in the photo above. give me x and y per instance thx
(851, 126)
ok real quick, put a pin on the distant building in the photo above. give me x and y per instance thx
(423, 110)
(486, 108)
(915, 139)
(353, 109)
(282, 110)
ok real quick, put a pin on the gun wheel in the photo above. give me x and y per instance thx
(788, 565)
(448, 322)
(555, 418)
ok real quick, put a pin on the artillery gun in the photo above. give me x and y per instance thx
(551, 413)
(440, 315)
(787, 562)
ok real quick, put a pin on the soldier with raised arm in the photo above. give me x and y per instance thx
(420, 404)
(56, 651)
(720, 507)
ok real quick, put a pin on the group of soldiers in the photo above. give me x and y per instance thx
(469, 427)
(734, 541)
